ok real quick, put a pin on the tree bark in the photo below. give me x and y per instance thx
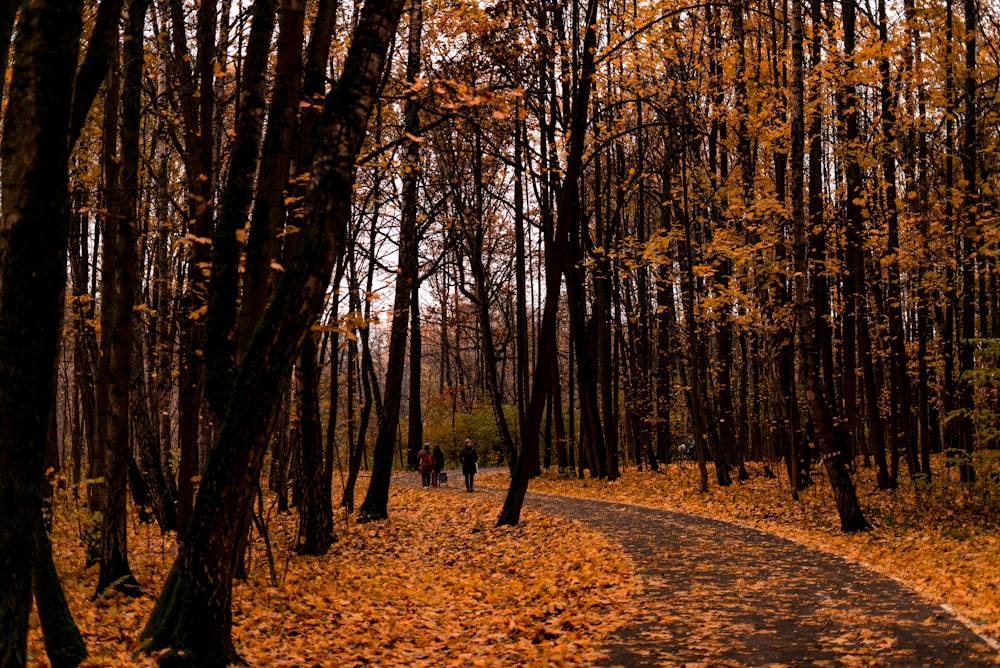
(34, 155)
(196, 101)
(315, 505)
(411, 175)
(556, 257)
(970, 240)
(193, 616)
(827, 441)
(120, 293)
(234, 209)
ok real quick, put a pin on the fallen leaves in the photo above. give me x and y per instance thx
(932, 537)
(437, 584)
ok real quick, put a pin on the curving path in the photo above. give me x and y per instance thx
(719, 594)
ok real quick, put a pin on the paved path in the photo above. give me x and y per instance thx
(718, 594)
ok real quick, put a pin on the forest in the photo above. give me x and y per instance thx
(250, 248)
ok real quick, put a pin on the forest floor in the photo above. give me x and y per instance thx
(940, 539)
(439, 584)
(436, 584)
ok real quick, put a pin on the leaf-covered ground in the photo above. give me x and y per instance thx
(941, 538)
(438, 584)
(435, 585)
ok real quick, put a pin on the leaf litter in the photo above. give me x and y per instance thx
(938, 538)
(436, 584)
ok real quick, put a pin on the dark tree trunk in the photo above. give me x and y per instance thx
(262, 247)
(64, 644)
(970, 241)
(147, 446)
(372, 396)
(411, 173)
(415, 419)
(818, 273)
(34, 155)
(917, 192)
(557, 416)
(697, 357)
(827, 441)
(592, 373)
(902, 437)
(196, 101)
(556, 256)
(315, 509)
(193, 616)
(375, 505)
(854, 282)
(84, 343)
(120, 293)
(331, 452)
(520, 272)
(665, 320)
(234, 209)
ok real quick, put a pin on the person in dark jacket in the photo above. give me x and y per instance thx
(469, 460)
(438, 465)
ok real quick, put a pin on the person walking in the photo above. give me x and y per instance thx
(425, 464)
(470, 466)
(438, 465)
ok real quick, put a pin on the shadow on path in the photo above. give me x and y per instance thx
(719, 594)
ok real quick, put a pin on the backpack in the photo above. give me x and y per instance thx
(425, 461)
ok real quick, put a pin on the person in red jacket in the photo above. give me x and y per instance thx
(425, 464)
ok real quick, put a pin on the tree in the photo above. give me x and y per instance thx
(558, 256)
(192, 616)
(830, 446)
(121, 241)
(38, 135)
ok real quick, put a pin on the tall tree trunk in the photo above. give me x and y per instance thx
(970, 241)
(411, 174)
(234, 210)
(193, 616)
(697, 357)
(375, 505)
(903, 437)
(520, 272)
(34, 156)
(556, 256)
(819, 274)
(315, 505)
(197, 110)
(827, 441)
(774, 296)
(918, 192)
(664, 353)
(370, 388)
(855, 283)
(262, 246)
(121, 242)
